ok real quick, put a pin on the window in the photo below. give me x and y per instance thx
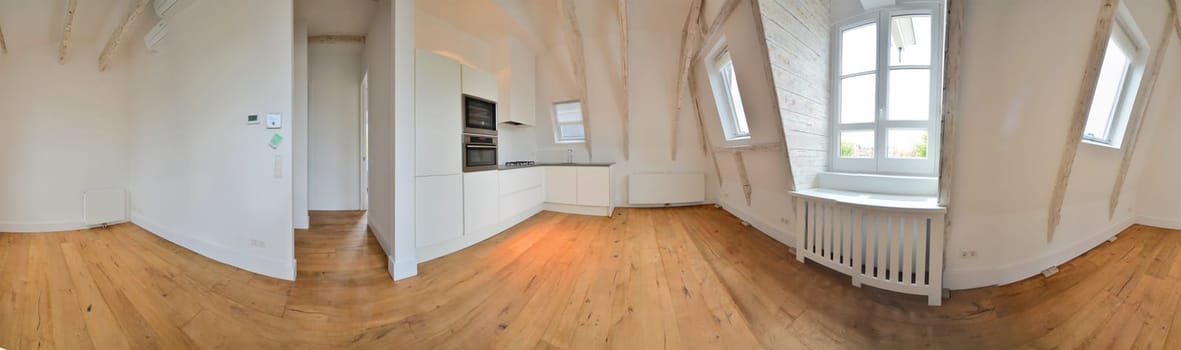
(887, 83)
(729, 99)
(1115, 90)
(568, 126)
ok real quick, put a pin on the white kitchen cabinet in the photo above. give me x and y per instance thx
(521, 193)
(516, 180)
(561, 184)
(435, 202)
(478, 84)
(594, 186)
(481, 198)
(438, 115)
(518, 88)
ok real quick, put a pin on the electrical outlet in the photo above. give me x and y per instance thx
(967, 254)
(258, 243)
(783, 220)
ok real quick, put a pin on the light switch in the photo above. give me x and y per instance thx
(274, 120)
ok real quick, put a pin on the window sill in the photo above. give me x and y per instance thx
(875, 199)
(878, 184)
(569, 142)
(738, 138)
(1100, 144)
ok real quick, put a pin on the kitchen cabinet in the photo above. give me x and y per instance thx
(522, 192)
(561, 185)
(435, 203)
(478, 84)
(481, 199)
(594, 186)
(438, 115)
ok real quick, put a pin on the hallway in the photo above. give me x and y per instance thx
(646, 278)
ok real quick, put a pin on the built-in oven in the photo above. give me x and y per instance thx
(479, 116)
(479, 153)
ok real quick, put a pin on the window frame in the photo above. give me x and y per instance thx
(1129, 89)
(881, 163)
(727, 111)
(558, 123)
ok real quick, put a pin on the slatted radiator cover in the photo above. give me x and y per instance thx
(897, 249)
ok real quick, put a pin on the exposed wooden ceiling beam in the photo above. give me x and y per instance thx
(757, 147)
(1177, 20)
(112, 48)
(3, 45)
(1081, 108)
(333, 39)
(578, 62)
(689, 42)
(63, 48)
(951, 93)
(743, 177)
(623, 61)
(1139, 112)
(706, 144)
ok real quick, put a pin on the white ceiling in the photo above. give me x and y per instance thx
(327, 17)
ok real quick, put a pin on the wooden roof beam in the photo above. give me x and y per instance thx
(3, 45)
(112, 49)
(688, 47)
(1081, 109)
(578, 62)
(1176, 19)
(63, 48)
(624, 64)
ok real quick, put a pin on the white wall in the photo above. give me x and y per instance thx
(770, 203)
(201, 177)
(655, 36)
(1159, 192)
(334, 126)
(389, 59)
(1021, 77)
(299, 127)
(64, 130)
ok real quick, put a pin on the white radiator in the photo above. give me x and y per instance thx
(897, 249)
(666, 188)
(104, 206)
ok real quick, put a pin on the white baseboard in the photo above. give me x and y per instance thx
(784, 237)
(44, 226)
(285, 270)
(400, 270)
(670, 205)
(1032, 266)
(436, 251)
(1171, 224)
(303, 222)
(385, 247)
(579, 209)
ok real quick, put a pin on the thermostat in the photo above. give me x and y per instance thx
(274, 121)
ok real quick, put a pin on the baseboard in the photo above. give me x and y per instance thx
(385, 247)
(1020, 270)
(400, 270)
(303, 222)
(784, 237)
(578, 209)
(46, 226)
(1171, 224)
(436, 251)
(670, 205)
(285, 270)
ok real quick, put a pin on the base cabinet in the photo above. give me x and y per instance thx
(481, 193)
(561, 185)
(435, 203)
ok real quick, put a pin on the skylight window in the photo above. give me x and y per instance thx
(1114, 90)
(730, 108)
(568, 126)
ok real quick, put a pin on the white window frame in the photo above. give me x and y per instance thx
(727, 112)
(558, 124)
(880, 163)
(1124, 32)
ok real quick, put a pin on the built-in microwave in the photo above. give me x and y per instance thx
(479, 153)
(479, 116)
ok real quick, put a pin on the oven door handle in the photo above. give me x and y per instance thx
(480, 146)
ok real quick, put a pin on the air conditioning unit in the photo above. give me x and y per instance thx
(163, 7)
(154, 36)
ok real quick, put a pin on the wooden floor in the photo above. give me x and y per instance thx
(644, 279)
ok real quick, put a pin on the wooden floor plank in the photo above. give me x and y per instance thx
(645, 278)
